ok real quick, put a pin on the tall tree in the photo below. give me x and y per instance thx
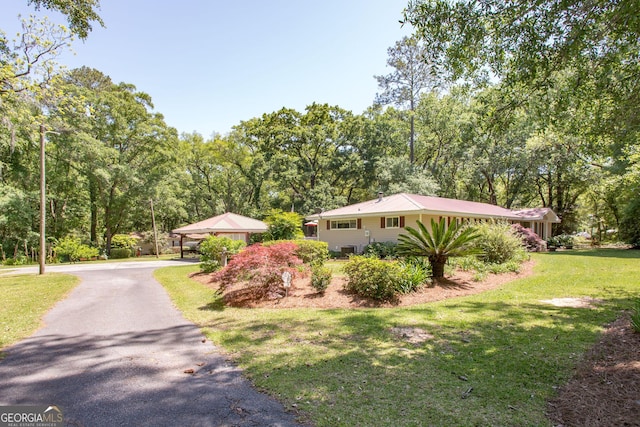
(124, 150)
(442, 122)
(586, 51)
(81, 14)
(412, 74)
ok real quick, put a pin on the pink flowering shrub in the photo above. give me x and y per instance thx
(531, 241)
(261, 267)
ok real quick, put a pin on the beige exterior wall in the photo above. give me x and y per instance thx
(338, 239)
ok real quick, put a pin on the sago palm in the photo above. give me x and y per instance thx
(439, 244)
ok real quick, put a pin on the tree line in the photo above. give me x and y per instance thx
(558, 142)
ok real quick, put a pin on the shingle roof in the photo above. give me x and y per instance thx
(414, 203)
(537, 214)
(225, 223)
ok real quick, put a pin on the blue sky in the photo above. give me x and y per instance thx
(210, 64)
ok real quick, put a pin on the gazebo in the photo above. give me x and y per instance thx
(232, 225)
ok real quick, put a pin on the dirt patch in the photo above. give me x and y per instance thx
(303, 295)
(605, 390)
(581, 302)
(411, 335)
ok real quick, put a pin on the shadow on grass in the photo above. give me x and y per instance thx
(216, 305)
(512, 355)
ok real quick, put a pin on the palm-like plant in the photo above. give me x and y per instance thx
(439, 244)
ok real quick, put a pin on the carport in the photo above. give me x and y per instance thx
(231, 225)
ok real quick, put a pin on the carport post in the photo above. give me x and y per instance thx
(181, 252)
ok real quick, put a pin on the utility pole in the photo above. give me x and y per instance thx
(43, 246)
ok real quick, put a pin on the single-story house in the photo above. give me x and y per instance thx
(351, 228)
(234, 226)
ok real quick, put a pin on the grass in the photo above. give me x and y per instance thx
(100, 261)
(495, 358)
(25, 299)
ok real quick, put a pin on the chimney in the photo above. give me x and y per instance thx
(380, 194)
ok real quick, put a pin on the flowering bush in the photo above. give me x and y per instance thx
(262, 267)
(531, 241)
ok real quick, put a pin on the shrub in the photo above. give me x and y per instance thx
(262, 267)
(71, 249)
(283, 226)
(635, 317)
(309, 251)
(320, 277)
(312, 251)
(212, 248)
(19, 260)
(381, 250)
(123, 241)
(499, 243)
(481, 269)
(531, 241)
(372, 278)
(416, 272)
(562, 240)
(629, 224)
(120, 253)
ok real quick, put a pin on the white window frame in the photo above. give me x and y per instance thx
(397, 221)
(353, 224)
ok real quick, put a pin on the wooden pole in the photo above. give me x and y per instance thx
(155, 232)
(43, 248)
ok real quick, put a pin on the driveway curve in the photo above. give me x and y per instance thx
(116, 352)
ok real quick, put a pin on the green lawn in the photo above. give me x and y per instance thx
(494, 359)
(131, 259)
(25, 299)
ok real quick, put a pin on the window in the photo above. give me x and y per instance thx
(344, 224)
(392, 222)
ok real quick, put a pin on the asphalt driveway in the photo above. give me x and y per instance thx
(117, 353)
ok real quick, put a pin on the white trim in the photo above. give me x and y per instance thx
(355, 223)
(386, 222)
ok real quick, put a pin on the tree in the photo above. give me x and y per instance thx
(523, 42)
(413, 74)
(122, 147)
(438, 245)
(80, 13)
(218, 185)
(443, 123)
(580, 59)
(395, 175)
(283, 225)
(28, 64)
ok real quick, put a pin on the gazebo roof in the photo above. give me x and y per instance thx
(225, 223)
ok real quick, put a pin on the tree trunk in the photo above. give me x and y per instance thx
(437, 267)
(94, 212)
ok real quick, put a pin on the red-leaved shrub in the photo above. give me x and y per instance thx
(261, 267)
(531, 241)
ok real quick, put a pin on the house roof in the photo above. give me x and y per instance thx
(404, 203)
(225, 223)
(538, 214)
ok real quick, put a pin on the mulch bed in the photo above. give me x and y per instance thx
(605, 389)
